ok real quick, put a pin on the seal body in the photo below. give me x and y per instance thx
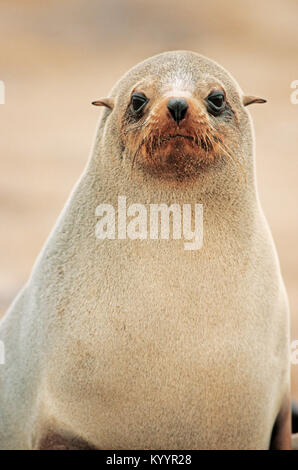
(141, 344)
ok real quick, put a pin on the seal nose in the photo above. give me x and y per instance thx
(177, 108)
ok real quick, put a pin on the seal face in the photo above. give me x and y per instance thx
(176, 126)
(176, 115)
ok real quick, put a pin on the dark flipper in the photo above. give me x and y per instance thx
(294, 417)
(281, 438)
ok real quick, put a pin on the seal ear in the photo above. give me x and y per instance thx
(108, 102)
(252, 99)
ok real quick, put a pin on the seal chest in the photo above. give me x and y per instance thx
(140, 342)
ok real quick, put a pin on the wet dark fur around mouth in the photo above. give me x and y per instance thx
(209, 143)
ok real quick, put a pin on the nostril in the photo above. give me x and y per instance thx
(177, 108)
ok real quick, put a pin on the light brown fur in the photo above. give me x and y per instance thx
(140, 344)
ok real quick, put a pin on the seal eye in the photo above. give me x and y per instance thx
(138, 101)
(216, 102)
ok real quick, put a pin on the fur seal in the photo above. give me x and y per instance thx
(139, 344)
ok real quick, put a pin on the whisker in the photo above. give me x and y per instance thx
(231, 155)
(236, 162)
(133, 128)
(135, 155)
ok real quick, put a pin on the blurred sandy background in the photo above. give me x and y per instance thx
(58, 56)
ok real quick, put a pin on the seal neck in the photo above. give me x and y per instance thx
(220, 187)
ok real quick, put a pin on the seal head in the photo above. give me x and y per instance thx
(179, 113)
